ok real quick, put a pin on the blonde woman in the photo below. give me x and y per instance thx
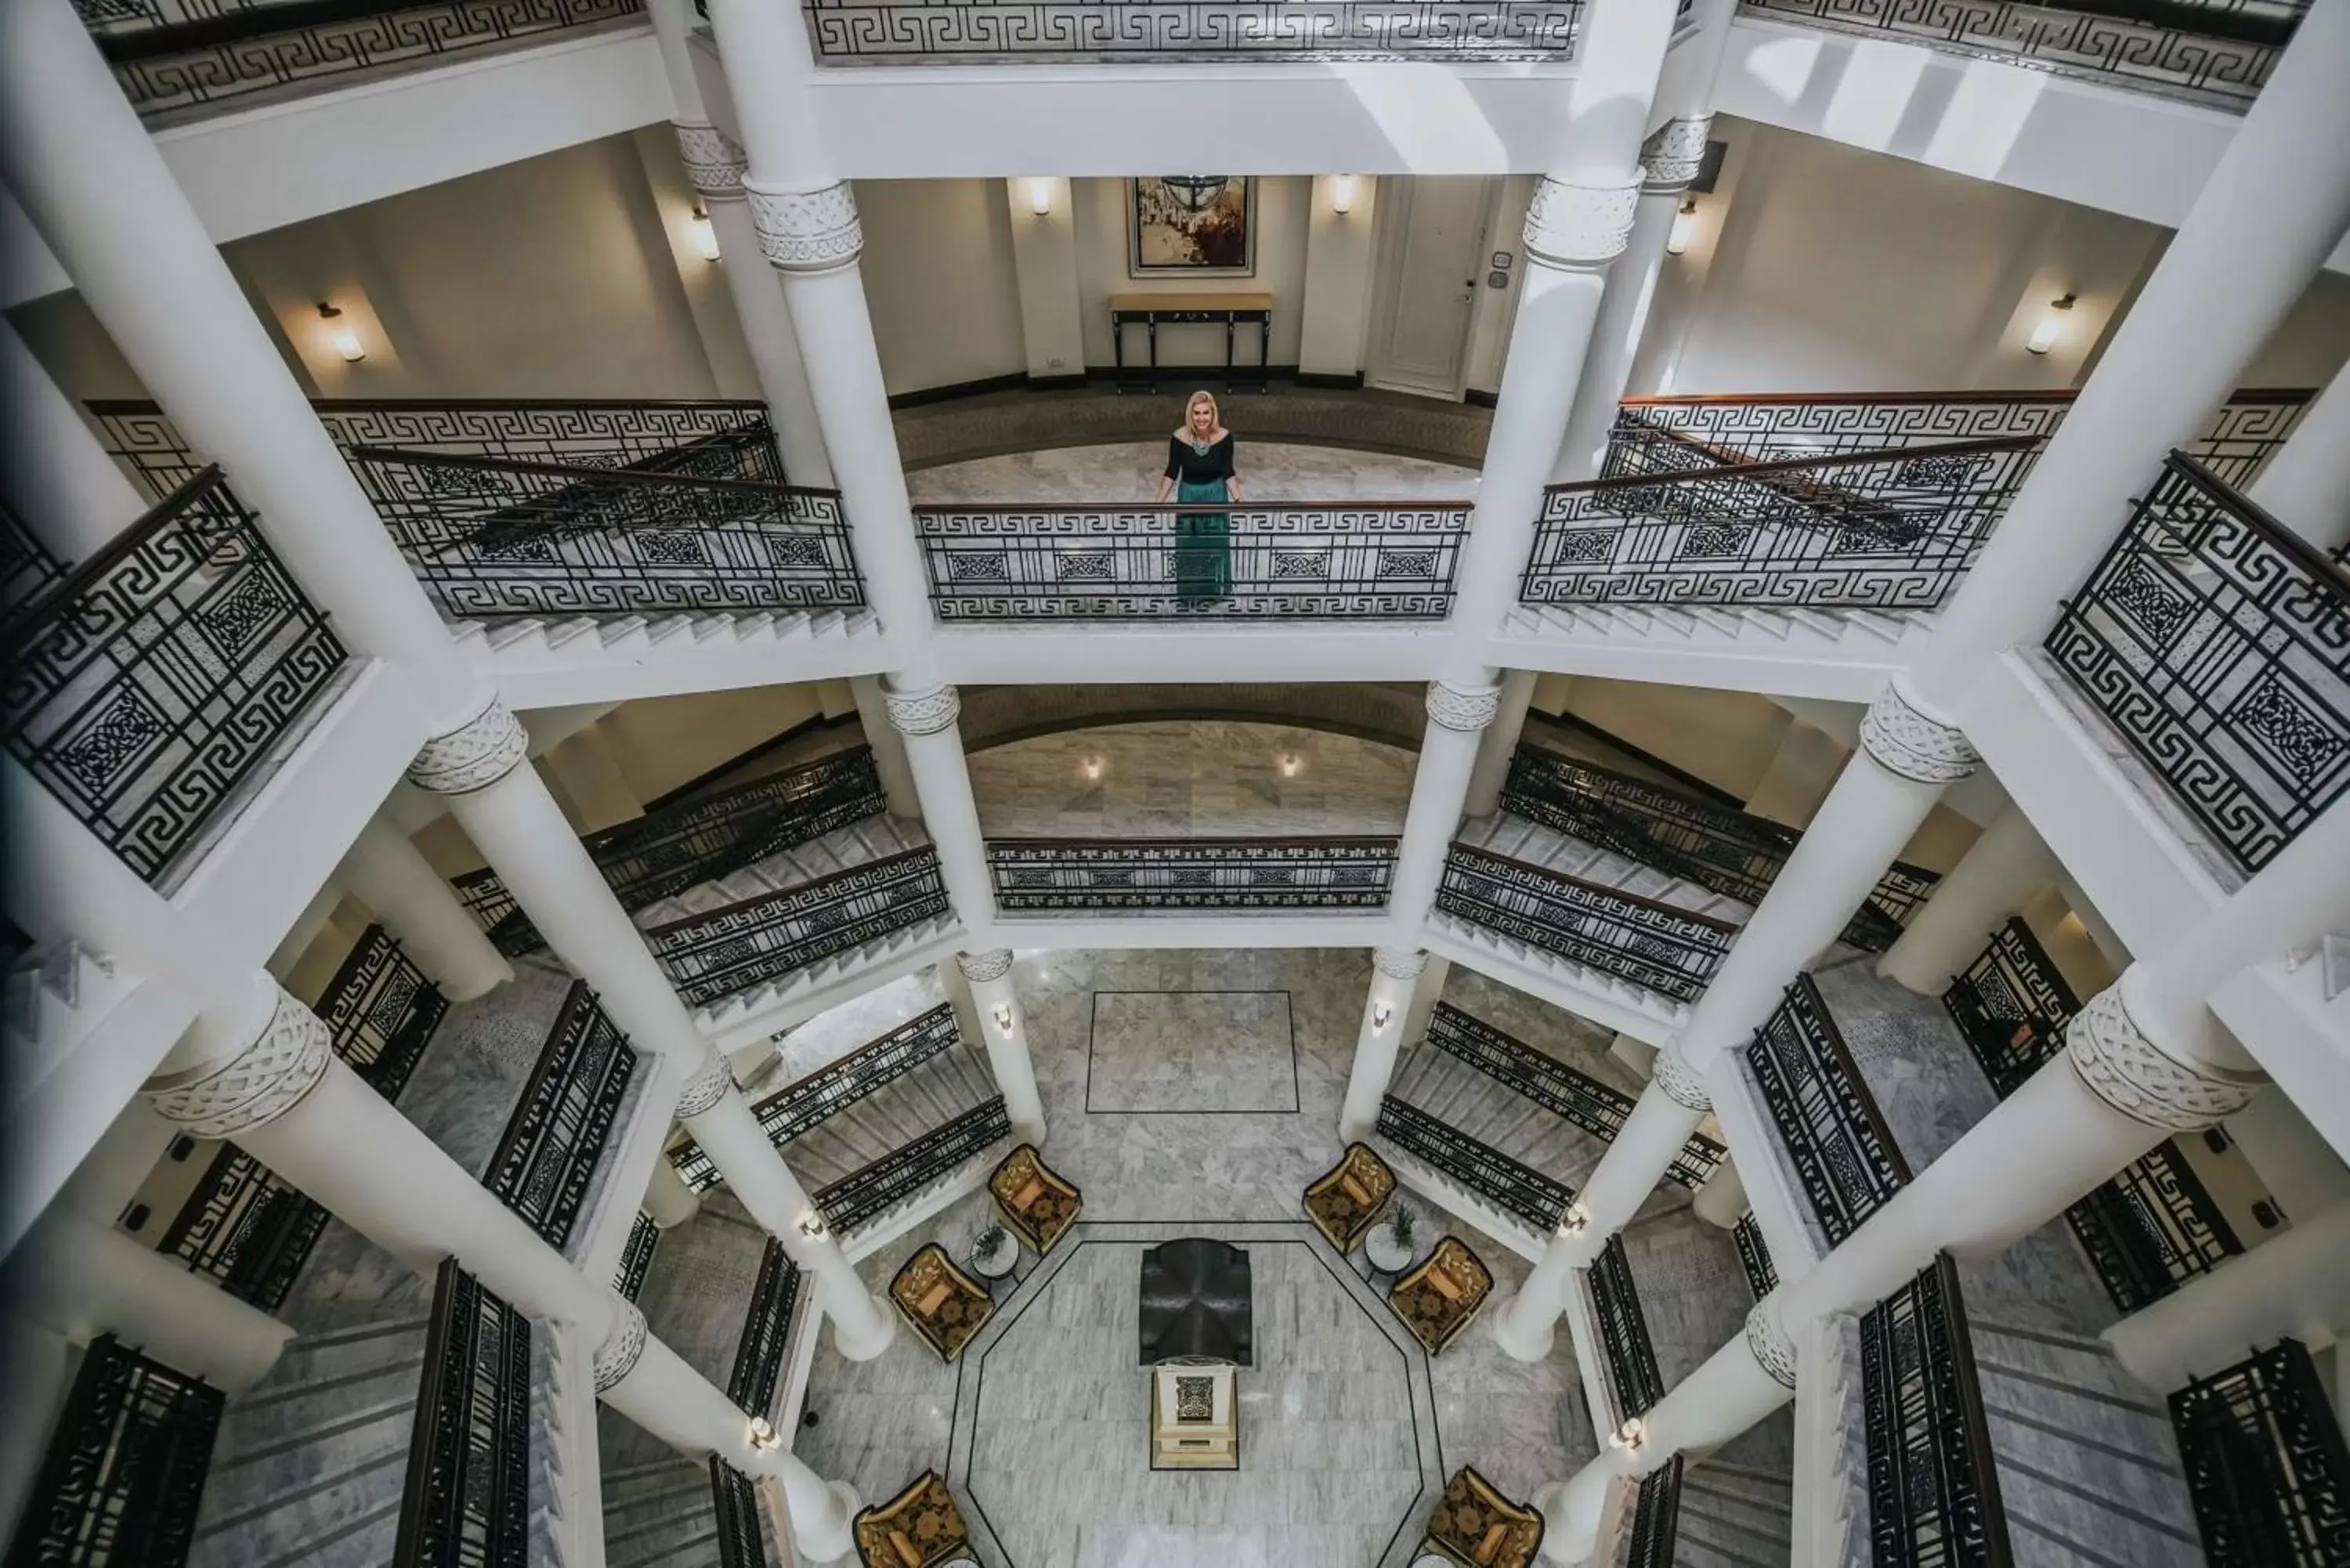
(1199, 471)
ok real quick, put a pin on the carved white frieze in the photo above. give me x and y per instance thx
(1902, 738)
(1682, 1084)
(1578, 224)
(923, 712)
(1767, 1340)
(706, 1088)
(1467, 709)
(2130, 1073)
(622, 1348)
(276, 1069)
(1400, 963)
(474, 755)
(980, 968)
(807, 231)
(1670, 158)
(713, 161)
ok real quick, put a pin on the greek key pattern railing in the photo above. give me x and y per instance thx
(1668, 950)
(1732, 852)
(467, 1503)
(381, 1012)
(901, 1174)
(706, 528)
(1512, 1187)
(767, 1331)
(2217, 643)
(1631, 1360)
(124, 1474)
(546, 1160)
(178, 54)
(1558, 1088)
(2265, 1463)
(637, 1256)
(1843, 1152)
(2212, 54)
(736, 1505)
(1656, 1517)
(1754, 1256)
(730, 950)
(148, 684)
(1355, 560)
(246, 1229)
(26, 568)
(1933, 1487)
(1885, 531)
(1067, 874)
(2011, 1005)
(800, 1105)
(978, 32)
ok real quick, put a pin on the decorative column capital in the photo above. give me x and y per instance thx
(1400, 963)
(1903, 737)
(1467, 709)
(713, 161)
(1682, 1084)
(474, 755)
(2125, 1068)
(275, 1072)
(623, 1345)
(980, 968)
(1580, 224)
(707, 1088)
(1767, 1340)
(807, 231)
(923, 712)
(1671, 156)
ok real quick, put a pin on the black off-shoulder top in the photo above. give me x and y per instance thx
(1187, 465)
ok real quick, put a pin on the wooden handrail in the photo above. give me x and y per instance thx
(2329, 572)
(1360, 841)
(2249, 395)
(1749, 471)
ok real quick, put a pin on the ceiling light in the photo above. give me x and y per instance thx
(1684, 229)
(341, 335)
(2050, 327)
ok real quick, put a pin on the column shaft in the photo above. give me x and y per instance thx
(2295, 1285)
(1994, 879)
(925, 719)
(1499, 744)
(1386, 1016)
(889, 747)
(1003, 1031)
(60, 482)
(1457, 715)
(2306, 485)
(668, 1199)
(385, 871)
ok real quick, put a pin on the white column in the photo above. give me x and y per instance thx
(61, 484)
(889, 747)
(1722, 1202)
(926, 721)
(1003, 1030)
(1457, 714)
(2306, 485)
(668, 1199)
(1499, 744)
(385, 871)
(2296, 1285)
(1426, 992)
(1994, 879)
(1395, 972)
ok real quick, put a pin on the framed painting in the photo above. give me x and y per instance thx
(1191, 225)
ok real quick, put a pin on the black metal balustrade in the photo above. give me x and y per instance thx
(637, 1256)
(1732, 852)
(1668, 950)
(980, 32)
(381, 1012)
(1513, 1188)
(178, 54)
(741, 1543)
(903, 1172)
(1883, 530)
(1558, 1088)
(2216, 642)
(1933, 1486)
(1656, 1518)
(767, 1332)
(1358, 560)
(1843, 1152)
(1631, 1360)
(706, 528)
(124, 1475)
(546, 1158)
(1754, 1256)
(26, 568)
(716, 954)
(467, 1500)
(2011, 1005)
(2219, 54)
(1064, 876)
(148, 684)
(2265, 1463)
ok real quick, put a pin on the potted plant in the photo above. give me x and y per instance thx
(991, 1248)
(1398, 1232)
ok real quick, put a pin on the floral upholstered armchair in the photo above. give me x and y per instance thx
(1345, 1201)
(1438, 1299)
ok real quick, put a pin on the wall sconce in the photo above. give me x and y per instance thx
(705, 238)
(341, 337)
(1004, 1017)
(2050, 327)
(1684, 229)
(1342, 193)
(1091, 767)
(1576, 1221)
(1380, 1013)
(1631, 1436)
(763, 1435)
(1290, 763)
(811, 1226)
(1040, 197)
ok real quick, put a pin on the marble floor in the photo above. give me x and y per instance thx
(1127, 472)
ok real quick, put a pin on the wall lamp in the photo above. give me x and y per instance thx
(1631, 1436)
(705, 237)
(811, 1226)
(1576, 1221)
(1684, 229)
(2050, 327)
(343, 339)
(763, 1435)
(1040, 197)
(1380, 1013)
(1004, 1017)
(1342, 193)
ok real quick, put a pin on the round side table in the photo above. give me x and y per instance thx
(1385, 1258)
(994, 1267)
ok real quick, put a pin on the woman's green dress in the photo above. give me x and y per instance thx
(1203, 551)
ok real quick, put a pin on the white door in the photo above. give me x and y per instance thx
(1432, 253)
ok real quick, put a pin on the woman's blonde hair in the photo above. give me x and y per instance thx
(1215, 414)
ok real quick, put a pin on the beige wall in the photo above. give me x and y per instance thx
(939, 282)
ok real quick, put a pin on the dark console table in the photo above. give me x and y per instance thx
(1232, 310)
(1196, 1301)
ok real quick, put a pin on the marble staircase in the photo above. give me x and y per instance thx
(469, 1080)
(1733, 1516)
(877, 1126)
(875, 838)
(659, 1515)
(1531, 844)
(1480, 1106)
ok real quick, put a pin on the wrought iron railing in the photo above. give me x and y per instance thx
(1066, 874)
(124, 1474)
(1514, 1188)
(736, 1502)
(903, 1172)
(1844, 1154)
(696, 839)
(1885, 530)
(637, 1256)
(381, 1012)
(2011, 1005)
(801, 1105)
(1933, 1486)
(1629, 1358)
(979, 32)
(147, 685)
(26, 568)
(1670, 950)
(716, 954)
(2265, 1463)
(1293, 560)
(767, 1332)
(467, 1503)
(707, 528)
(178, 54)
(1732, 852)
(1754, 1256)
(1656, 1518)
(1558, 1088)
(2217, 643)
(2220, 54)
(546, 1160)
